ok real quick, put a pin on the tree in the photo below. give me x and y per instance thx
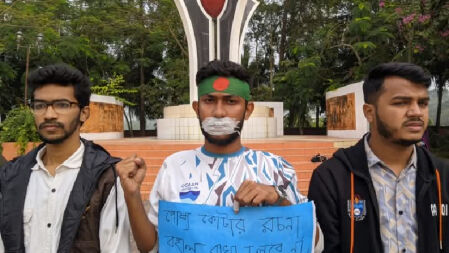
(113, 87)
(307, 47)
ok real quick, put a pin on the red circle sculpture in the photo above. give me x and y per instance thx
(213, 7)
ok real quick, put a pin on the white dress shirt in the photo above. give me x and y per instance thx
(45, 202)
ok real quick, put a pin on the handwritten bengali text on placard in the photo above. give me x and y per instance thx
(190, 228)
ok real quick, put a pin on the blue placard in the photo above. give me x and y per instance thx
(190, 228)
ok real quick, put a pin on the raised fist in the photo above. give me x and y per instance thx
(131, 171)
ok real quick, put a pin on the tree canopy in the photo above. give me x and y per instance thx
(304, 48)
(295, 50)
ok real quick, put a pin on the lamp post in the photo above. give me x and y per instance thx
(19, 39)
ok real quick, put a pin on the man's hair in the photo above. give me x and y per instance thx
(372, 86)
(224, 69)
(64, 75)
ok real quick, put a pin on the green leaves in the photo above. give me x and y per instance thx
(365, 46)
(19, 127)
(113, 87)
(142, 41)
(299, 48)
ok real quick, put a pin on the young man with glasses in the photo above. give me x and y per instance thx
(63, 196)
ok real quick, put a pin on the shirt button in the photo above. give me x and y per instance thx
(400, 213)
(49, 225)
(53, 190)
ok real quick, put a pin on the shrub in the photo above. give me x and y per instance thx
(19, 127)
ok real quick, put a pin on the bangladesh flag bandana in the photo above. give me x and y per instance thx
(229, 85)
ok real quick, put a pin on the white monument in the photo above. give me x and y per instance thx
(215, 29)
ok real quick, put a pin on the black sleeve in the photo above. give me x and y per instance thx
(323, 193)
(2, 160)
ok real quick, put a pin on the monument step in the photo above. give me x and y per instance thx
(302, 164)
(177, 147)
(297, 152)
(293, 156)
(153, 167)
(149, 146)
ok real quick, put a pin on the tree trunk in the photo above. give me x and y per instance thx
(440, 84)
(130, 126)
(142, 99)
(317, 117)
(301, 120)
(271, 65)
(283, 45)
(142, 80)
(291, 117)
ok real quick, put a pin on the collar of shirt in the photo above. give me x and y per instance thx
(235, 154)
(373, 160)
(73, 162)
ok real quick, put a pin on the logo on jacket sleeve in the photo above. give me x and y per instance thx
(359, 208)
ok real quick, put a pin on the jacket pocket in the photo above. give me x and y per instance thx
(27, 218)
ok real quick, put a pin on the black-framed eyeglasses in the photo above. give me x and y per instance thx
(59, 106)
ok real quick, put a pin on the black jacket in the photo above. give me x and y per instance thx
(2, 160)
(14, 178)
(330, 188)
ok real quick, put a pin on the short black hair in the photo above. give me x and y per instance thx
(373, 84)
(64, 75)
(224, 69)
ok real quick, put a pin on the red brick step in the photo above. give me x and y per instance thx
(296, 150)
(297, 153)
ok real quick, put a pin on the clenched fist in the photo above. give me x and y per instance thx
(131, 171)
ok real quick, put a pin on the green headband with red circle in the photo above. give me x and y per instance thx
(229, 85)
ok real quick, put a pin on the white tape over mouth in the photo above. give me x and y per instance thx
(220, 126)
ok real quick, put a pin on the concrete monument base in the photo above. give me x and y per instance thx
(345, 118)
(106, 119)
(180, 123)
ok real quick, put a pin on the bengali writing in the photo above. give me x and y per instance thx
(178, 219)
(232, 225)
(224, 223)
(179, 245)
(279, 224)
(190, 229)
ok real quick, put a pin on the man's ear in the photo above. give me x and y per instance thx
(85, 113)
(249, 110)
(195, 106)
(369, 111)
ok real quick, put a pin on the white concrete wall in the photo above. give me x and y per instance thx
(278, 114)
(105, 99)
(179, 129)
(259, 128)
(180, 123)
(102, 136)
(361, 123)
